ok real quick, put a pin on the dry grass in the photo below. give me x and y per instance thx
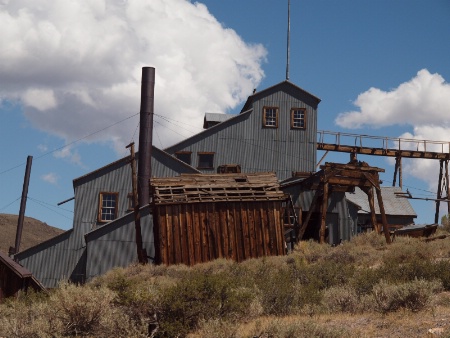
(362, 288)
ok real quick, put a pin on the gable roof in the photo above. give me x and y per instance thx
(393, 205)
(211, 130)
(15, 267)
(287, 86)
(126, 160)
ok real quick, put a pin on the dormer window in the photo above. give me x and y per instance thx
(270, 117)
(298, 118)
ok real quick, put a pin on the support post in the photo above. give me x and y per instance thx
(373, 217)
(394, 181)
(387, 235)
(439, 192)
(141, 253)
(323, 213)
(448, 186)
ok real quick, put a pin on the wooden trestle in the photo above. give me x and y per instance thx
(443, 192)
(344, 177)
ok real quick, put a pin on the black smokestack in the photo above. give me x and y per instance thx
(146, 134)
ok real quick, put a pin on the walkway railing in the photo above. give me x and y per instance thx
(388, 144)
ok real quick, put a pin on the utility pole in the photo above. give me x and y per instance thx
(141, 253)
(23, 204)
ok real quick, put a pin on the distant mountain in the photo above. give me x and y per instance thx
(34, 232)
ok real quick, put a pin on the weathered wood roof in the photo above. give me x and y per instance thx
(195, 188)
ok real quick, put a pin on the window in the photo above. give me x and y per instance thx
(205, 161)
(298, 118)
(270, 117)
(107, 210)
(184, 156)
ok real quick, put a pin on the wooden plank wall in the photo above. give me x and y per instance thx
(192, 233)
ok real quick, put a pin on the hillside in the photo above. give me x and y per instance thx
(361, 288)
(34, 232)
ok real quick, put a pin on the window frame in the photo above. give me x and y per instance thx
(100, 213)
(205, 153)
(293, 119)
(130, 201)
(184, 153)
(265, 111)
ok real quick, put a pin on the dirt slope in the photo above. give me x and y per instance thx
(34, 232)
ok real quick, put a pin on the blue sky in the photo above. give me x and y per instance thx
(70, 80)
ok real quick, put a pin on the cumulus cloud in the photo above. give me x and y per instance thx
(424, 100)
(422, 104)
(76, 65)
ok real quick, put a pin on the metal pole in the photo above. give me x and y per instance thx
(288, 40)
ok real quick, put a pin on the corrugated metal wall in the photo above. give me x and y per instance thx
(64, 257)
(114, 245)
(243, 140)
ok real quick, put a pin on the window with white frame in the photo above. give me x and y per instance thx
(298, 118)
(107, 209)
(270, 117)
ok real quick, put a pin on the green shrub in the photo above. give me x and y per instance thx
(364, 279)
(341, 299)
(278, 292)
(414, 295)
(201, 297)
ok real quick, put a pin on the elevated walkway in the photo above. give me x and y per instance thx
(392, 147)
(382, 146)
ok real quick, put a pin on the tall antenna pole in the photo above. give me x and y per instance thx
(288, 40)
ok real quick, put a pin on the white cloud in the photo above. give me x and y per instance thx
(41, 99)
(423, 103)
(50, 178)
(67, 153)
(77, 64)
(424, 100)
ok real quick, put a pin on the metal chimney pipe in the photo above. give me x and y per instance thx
(146, 134)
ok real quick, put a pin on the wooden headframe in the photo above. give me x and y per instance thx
(344, 178)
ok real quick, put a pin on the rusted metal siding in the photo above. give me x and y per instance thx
(200, 232)
(243, 140)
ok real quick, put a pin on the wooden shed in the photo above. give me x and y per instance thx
(199, 217)
(14, 278)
